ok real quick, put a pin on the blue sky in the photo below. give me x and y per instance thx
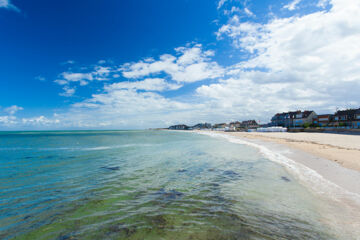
(138, 64)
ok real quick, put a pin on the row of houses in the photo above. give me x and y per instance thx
(349, 118)
(344, 118)
(195, 127)
(233, 126)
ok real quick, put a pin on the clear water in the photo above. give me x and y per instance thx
(147, 185)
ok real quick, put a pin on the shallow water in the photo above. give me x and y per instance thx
(148, 185)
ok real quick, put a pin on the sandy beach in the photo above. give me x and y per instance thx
(342, 149)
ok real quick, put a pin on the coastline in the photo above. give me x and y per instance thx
(339, 148)
(311, 150)
(331, 181)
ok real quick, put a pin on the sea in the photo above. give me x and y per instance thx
(150, 185)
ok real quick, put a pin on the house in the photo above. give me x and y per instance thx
(284, 119)
(234, 125)
(323, 120)
(249, 124)
(356, 121)
(347, 118)
(303, 118)
(293, 119)
(278, 119)
(220, 127)
(202, 126)
(179, 127)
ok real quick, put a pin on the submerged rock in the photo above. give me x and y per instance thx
(111, 168)
(285, 179)
(122, 230)
(169, 195)
(231, 173)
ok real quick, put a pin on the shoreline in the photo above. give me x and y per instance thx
(308, 151)
(333, 183)
(342, 149)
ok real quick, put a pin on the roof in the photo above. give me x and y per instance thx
(347, 112)
(324, 115)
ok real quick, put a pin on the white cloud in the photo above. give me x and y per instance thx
(40, 121)
(323, 3)
(13, 109)
(7, 120)
(68, 92)
(248, 12)
(221, 3)
(300, 62)
(98, 73)
(7, 4)
(292, 5)
(192, 65)
(149, 84)
(40, 78)
(82, 78)
(310, 61)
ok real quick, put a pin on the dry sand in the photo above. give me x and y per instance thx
(342, 149)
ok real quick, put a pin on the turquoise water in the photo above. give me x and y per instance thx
(147, 185)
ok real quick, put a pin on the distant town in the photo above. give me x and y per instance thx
(296, 120)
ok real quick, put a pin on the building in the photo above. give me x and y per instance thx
(293, 119)
(202, 126)
(220, 127)
(249, 124)
(179, 127)
(323, 120)
(303, 118)
(347, 118)
(234, 125)
(356, 121)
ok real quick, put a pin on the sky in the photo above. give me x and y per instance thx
(137, 64)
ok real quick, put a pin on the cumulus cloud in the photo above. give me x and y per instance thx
(149, 84)
(248, 12)
(310, 62)
(8, 121)
(7, 4)
(192, 64)
(300, 62)
(40, 121)
(13, 109)
(292, 5)
(98, 73)
(221, 3)
(68, 92)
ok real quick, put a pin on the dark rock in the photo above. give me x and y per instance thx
(169, 195)
(111, 168)
(285, 179)
(159, 221)
(231, 173)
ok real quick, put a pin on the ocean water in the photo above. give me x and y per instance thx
(149, 185)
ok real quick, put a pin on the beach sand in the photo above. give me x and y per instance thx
(342, 149)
